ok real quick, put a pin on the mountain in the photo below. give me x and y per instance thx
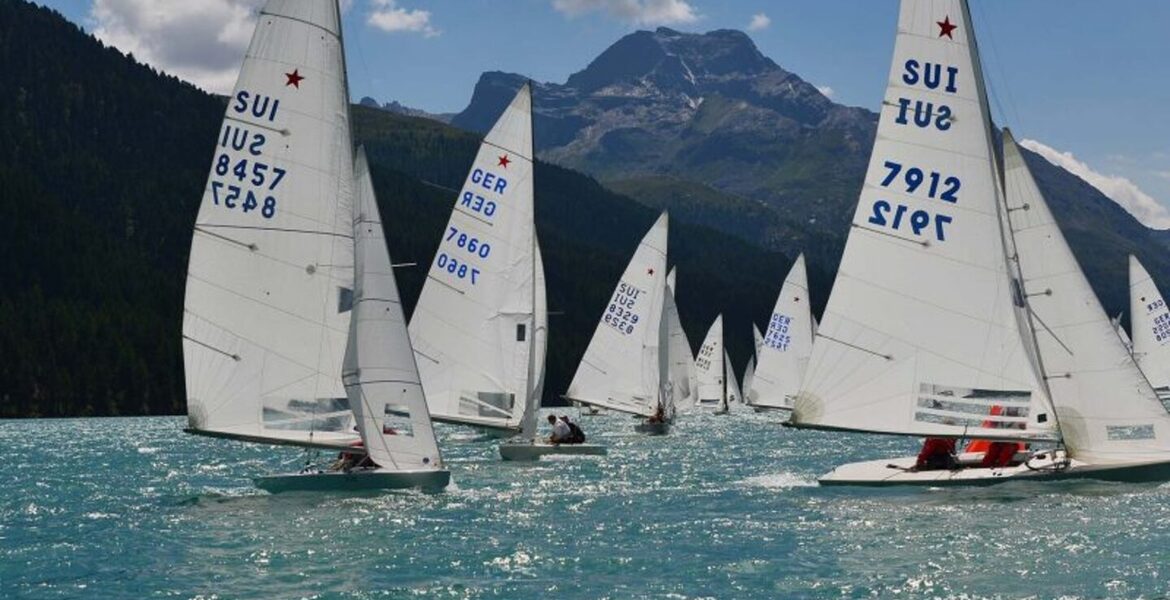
(395, 107)
(708, 127)
(103, 164)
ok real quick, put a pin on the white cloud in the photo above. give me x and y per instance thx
(202, 42)
(390, 17)
(637, 12)
(825, 91)
(1119, 189)
(759, 22)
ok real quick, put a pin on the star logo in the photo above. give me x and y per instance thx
(294, 79)
(796, 299)
(945, 27)
(503, 161)
(650, 271)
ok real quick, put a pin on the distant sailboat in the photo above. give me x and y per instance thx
(271, 277)
(474, 322)
(625, 367)
(1150, 324)
(712, 365)
(785, 349)
(749, 373)
(959, 310)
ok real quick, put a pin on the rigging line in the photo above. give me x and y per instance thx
(235, 357)
(1049, 330)
(439, 186)
(923, 243)
(275, 229)
(283, 132)
(844, 343)
(507, 150)
(253, 247)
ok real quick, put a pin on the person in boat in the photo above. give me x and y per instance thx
(937, 454)
(347, 461)
(576, 434)
(659, 415)
(561, 433)
(999, 454)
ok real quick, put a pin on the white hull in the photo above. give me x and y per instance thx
(355, 480)
(534, 450)
(898, 471)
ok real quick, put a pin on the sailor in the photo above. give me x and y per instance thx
(659, 415)
(560, 431)
(576, 435)
(999, 454)
(936, 454)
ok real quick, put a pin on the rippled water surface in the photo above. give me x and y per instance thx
(724, 507)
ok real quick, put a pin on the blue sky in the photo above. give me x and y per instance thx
(1084, 77)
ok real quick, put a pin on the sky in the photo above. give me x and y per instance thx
(1083, 82)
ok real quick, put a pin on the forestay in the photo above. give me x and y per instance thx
(709, 364)
(270, 274)
(920, 335)
(380, 375)
(620, 368)
(1150, 324)
(540, 347)
(473, 324)
(787, 344)
(1108, 411)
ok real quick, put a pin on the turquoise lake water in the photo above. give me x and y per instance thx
(724, 507)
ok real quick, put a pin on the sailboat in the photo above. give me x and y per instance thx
(713, 368)
(959, 310)
(786, 346)
(271, 287)
(473, 327)
(683, 378)
(626, 365)
(1150, 324)
(749, 372)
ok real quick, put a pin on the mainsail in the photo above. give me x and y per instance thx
(921, 335)
(1107, 410)
(1150, 324)
(473, 324)
(787, 345)
(270, 275)
(620, 368)
(380, 375)
(710, 364)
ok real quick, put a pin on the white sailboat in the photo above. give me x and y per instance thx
(734, 393)
(1150, 324)
(271, 274)
(683, 377)
(473, 325)
(749, 373)
(625, 366)
(528, 445)
(381, 378)
(713, 368)
(787, 345)
(968, 316)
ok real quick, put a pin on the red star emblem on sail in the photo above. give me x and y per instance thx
(503, 161)
(945, 27)
(294, 79)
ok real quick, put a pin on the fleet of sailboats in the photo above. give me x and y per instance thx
(958, 310)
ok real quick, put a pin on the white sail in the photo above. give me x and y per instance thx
(620, 368)
(380, 375)
(474, 319)
(787, 344)
(749, 373)
(734, 394)
(666, 391)
(270, 275)
(1150, 324)
(1124, 335)
(920, 335)
(540, 349)
(682, 363)
(1107, 410)
(710, 366)
(758, 338)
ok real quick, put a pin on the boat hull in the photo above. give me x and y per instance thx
(527, 451)
(652, 428)
(898, 472)
(357, 480)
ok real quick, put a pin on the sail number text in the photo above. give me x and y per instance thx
(915, 181)
(777, 336)
(620, 314)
